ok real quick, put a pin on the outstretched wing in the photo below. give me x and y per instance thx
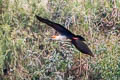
(59, 28)
(81, 46)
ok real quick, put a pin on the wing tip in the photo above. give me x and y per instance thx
(91, 55)
(37, 16)
(89, 52)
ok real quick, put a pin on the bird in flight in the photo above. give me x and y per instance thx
(76, 40)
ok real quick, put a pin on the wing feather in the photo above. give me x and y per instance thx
(81, 46)
(59, 28)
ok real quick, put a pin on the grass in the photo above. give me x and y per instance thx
(26, 51)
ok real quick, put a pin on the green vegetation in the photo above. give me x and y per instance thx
(27, 53)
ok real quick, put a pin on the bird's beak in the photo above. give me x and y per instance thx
(54, 36)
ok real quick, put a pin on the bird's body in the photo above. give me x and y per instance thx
(77, 40)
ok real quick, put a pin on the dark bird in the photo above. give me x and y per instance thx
(77, 40)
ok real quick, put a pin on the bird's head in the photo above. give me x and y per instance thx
(78, 37)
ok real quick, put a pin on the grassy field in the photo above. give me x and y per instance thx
(27, 53)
